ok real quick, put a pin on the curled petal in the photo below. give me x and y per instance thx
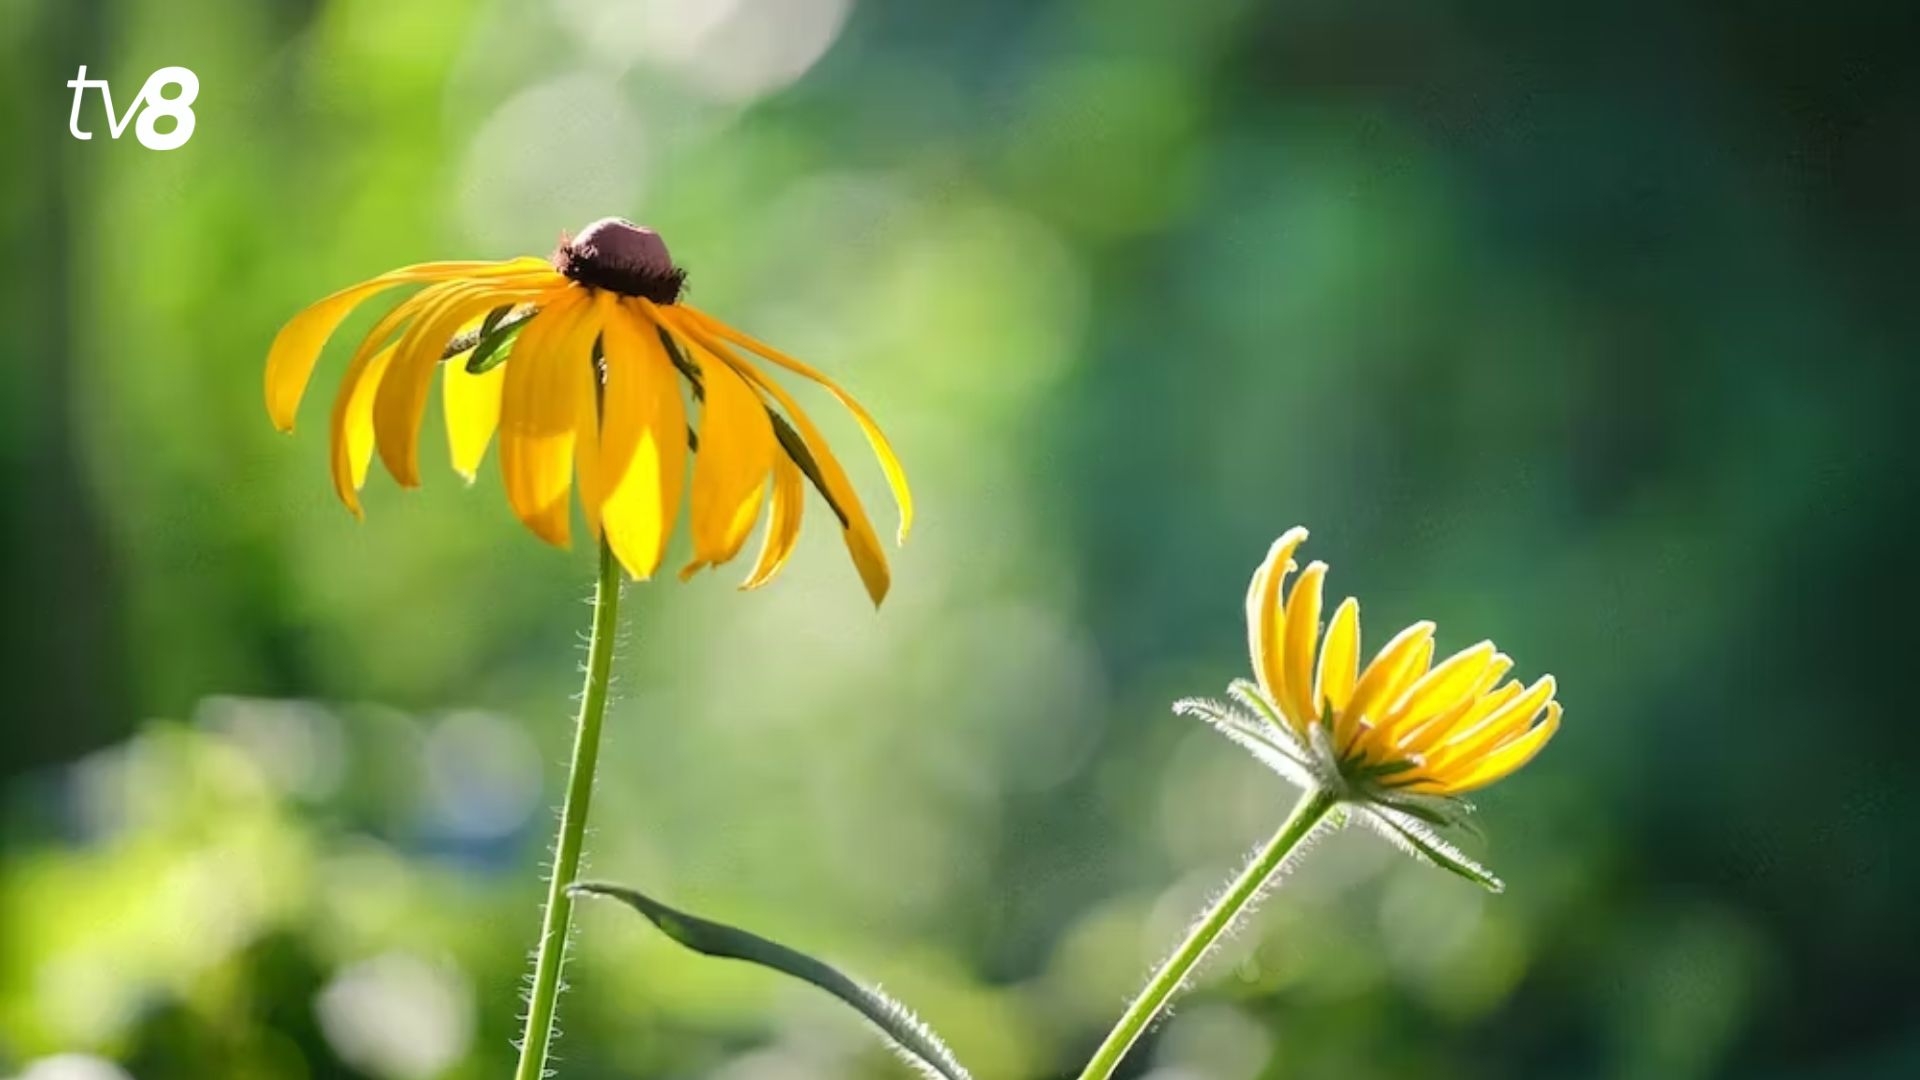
(787, 499)
(1266, 621)
(1302, 634)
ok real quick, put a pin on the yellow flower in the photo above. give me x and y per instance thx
(1399, 740)
(596, 344)
(1402, 723)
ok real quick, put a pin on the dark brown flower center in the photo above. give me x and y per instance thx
(617, 255)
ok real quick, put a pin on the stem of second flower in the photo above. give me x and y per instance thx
(1307, 814)
(573, 825)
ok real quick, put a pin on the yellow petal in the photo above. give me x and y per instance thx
(1266, 622)
(1412, 673)
(590, 481)
(783, 521)
(538, 413)
(1477, 705)
(1438, 691)
(882, 449)
(353, 434)
(730, 473)
(352, 426)
(297, 346)
(863, 544)
(1511, 757)
(472, 407)
(1339, 659)
(1386, 668)
(1302, 634)
(402, 400)
(1507, 721)
(643, 440)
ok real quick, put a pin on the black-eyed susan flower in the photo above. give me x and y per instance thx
(1401, 738)
(583, 363)
(1395, 743)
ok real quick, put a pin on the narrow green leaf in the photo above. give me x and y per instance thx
(914, 1039)
(1428, 846)
(462, 342)
(491, 341)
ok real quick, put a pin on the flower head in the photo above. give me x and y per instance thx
(1400, 737)
(579, 362)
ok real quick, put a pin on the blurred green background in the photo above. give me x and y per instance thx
(1591, 330)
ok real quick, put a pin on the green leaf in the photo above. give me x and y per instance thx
(914, 1039)
(491, 341)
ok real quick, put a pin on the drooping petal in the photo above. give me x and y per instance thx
(472, 407)
(296, 348)
(1302, 634)
(351, 424)
(402, 401)
(1266, 621)
(882, 449)
(787, 500)
(643, 440)
(863, 545)
(538, 409)
(1339, 660)
(731, 471)
(351, 448)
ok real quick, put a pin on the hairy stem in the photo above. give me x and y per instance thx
(573, 825)
(1308, 813)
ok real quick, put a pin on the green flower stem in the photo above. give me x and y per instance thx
(573, 825)
(1312, 808)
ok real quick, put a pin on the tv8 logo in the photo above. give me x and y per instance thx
(151, 105)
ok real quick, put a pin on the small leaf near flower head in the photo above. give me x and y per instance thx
(491, 345)
(1426, 845)
(915, 1041)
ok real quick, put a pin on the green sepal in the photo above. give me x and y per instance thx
(1428, 846)
(913, 1038)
